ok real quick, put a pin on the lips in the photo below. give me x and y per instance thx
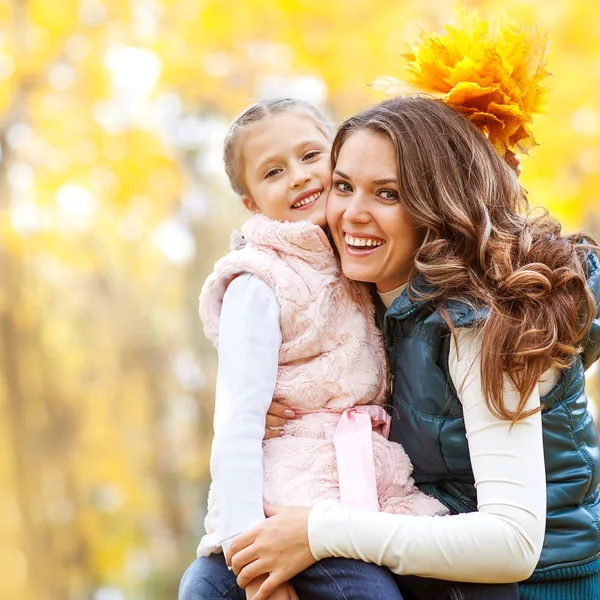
(357, 241)
(306, 199)
(361, 245)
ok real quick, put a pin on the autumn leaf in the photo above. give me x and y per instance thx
(492, 71)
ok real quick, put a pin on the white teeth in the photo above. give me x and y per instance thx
(307, 200)
(360, 242)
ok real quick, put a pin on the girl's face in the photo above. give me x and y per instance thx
(286, 168)
(374, 233)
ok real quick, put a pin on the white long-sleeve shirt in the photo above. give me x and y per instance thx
(500, 542)
(248, 352)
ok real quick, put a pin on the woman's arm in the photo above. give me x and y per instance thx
(249, 341)
(499, 543)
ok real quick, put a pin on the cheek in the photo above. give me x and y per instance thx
(326, 172)
(275, 192)
(332, 211)
(403, 231)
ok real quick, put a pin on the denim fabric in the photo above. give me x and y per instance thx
(330, 579)
(420, 588)
(338, 579)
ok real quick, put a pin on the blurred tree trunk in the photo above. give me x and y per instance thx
(24, 452)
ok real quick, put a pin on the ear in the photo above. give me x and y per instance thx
(250, 204)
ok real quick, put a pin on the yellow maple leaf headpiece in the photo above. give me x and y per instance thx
(488, 70)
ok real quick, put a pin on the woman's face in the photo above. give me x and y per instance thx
(374, 233)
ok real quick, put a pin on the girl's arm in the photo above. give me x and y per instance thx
(499, 543)
(248, 350)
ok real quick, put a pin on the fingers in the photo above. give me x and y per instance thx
(243, 558)
(272, 433)
(239, 543)
(513, 161)
(516, 164)
(268, 586)
(252, 571)
(273, 421)
(277, 417)
(280, 410)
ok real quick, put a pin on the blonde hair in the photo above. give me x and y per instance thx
(481, 246)
(255, 113)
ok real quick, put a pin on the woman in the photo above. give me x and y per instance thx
(490, 318)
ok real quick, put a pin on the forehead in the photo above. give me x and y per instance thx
(278, 133)
(367, 154)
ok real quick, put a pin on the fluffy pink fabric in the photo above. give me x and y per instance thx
(332, 357)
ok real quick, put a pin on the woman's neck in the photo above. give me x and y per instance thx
(388, 297)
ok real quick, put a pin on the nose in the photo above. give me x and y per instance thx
(299, 175)
(357, 209)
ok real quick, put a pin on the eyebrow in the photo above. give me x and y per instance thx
(341, 174)
(266, 162)
(376, 182)
(275, 158)
(384, 181)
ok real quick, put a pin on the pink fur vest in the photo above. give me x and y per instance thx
(332, 357)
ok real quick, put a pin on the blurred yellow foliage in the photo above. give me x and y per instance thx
(113, 207)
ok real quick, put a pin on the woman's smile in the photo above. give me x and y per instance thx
(373, 231)
(360, 245)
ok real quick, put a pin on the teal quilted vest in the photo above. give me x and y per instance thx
(428, 422)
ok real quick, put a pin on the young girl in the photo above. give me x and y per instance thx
(289, 326)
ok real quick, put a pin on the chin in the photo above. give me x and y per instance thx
(356, 274)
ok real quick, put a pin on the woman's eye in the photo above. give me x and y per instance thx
(272, 173)
(342, 186)
(389, 195)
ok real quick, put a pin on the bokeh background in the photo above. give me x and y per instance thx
(113, 208)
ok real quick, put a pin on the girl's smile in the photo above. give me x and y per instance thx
(286, 168)
(306, 200)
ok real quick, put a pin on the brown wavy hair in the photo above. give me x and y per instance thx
(483, 247)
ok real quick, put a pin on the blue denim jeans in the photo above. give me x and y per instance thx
(330, 579)
(421, 588)
(339, 579)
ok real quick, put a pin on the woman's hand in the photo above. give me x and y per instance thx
(277, 417)
(514, 162)
(278, 548)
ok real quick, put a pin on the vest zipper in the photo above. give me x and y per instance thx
(460, 500)
(391, 364)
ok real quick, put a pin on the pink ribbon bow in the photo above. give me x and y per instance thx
(354, 452)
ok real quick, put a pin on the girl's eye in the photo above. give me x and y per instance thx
(310, 155)
(342, 186)
(388, 195)
(272, 173)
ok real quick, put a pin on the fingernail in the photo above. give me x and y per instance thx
(289, 413)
